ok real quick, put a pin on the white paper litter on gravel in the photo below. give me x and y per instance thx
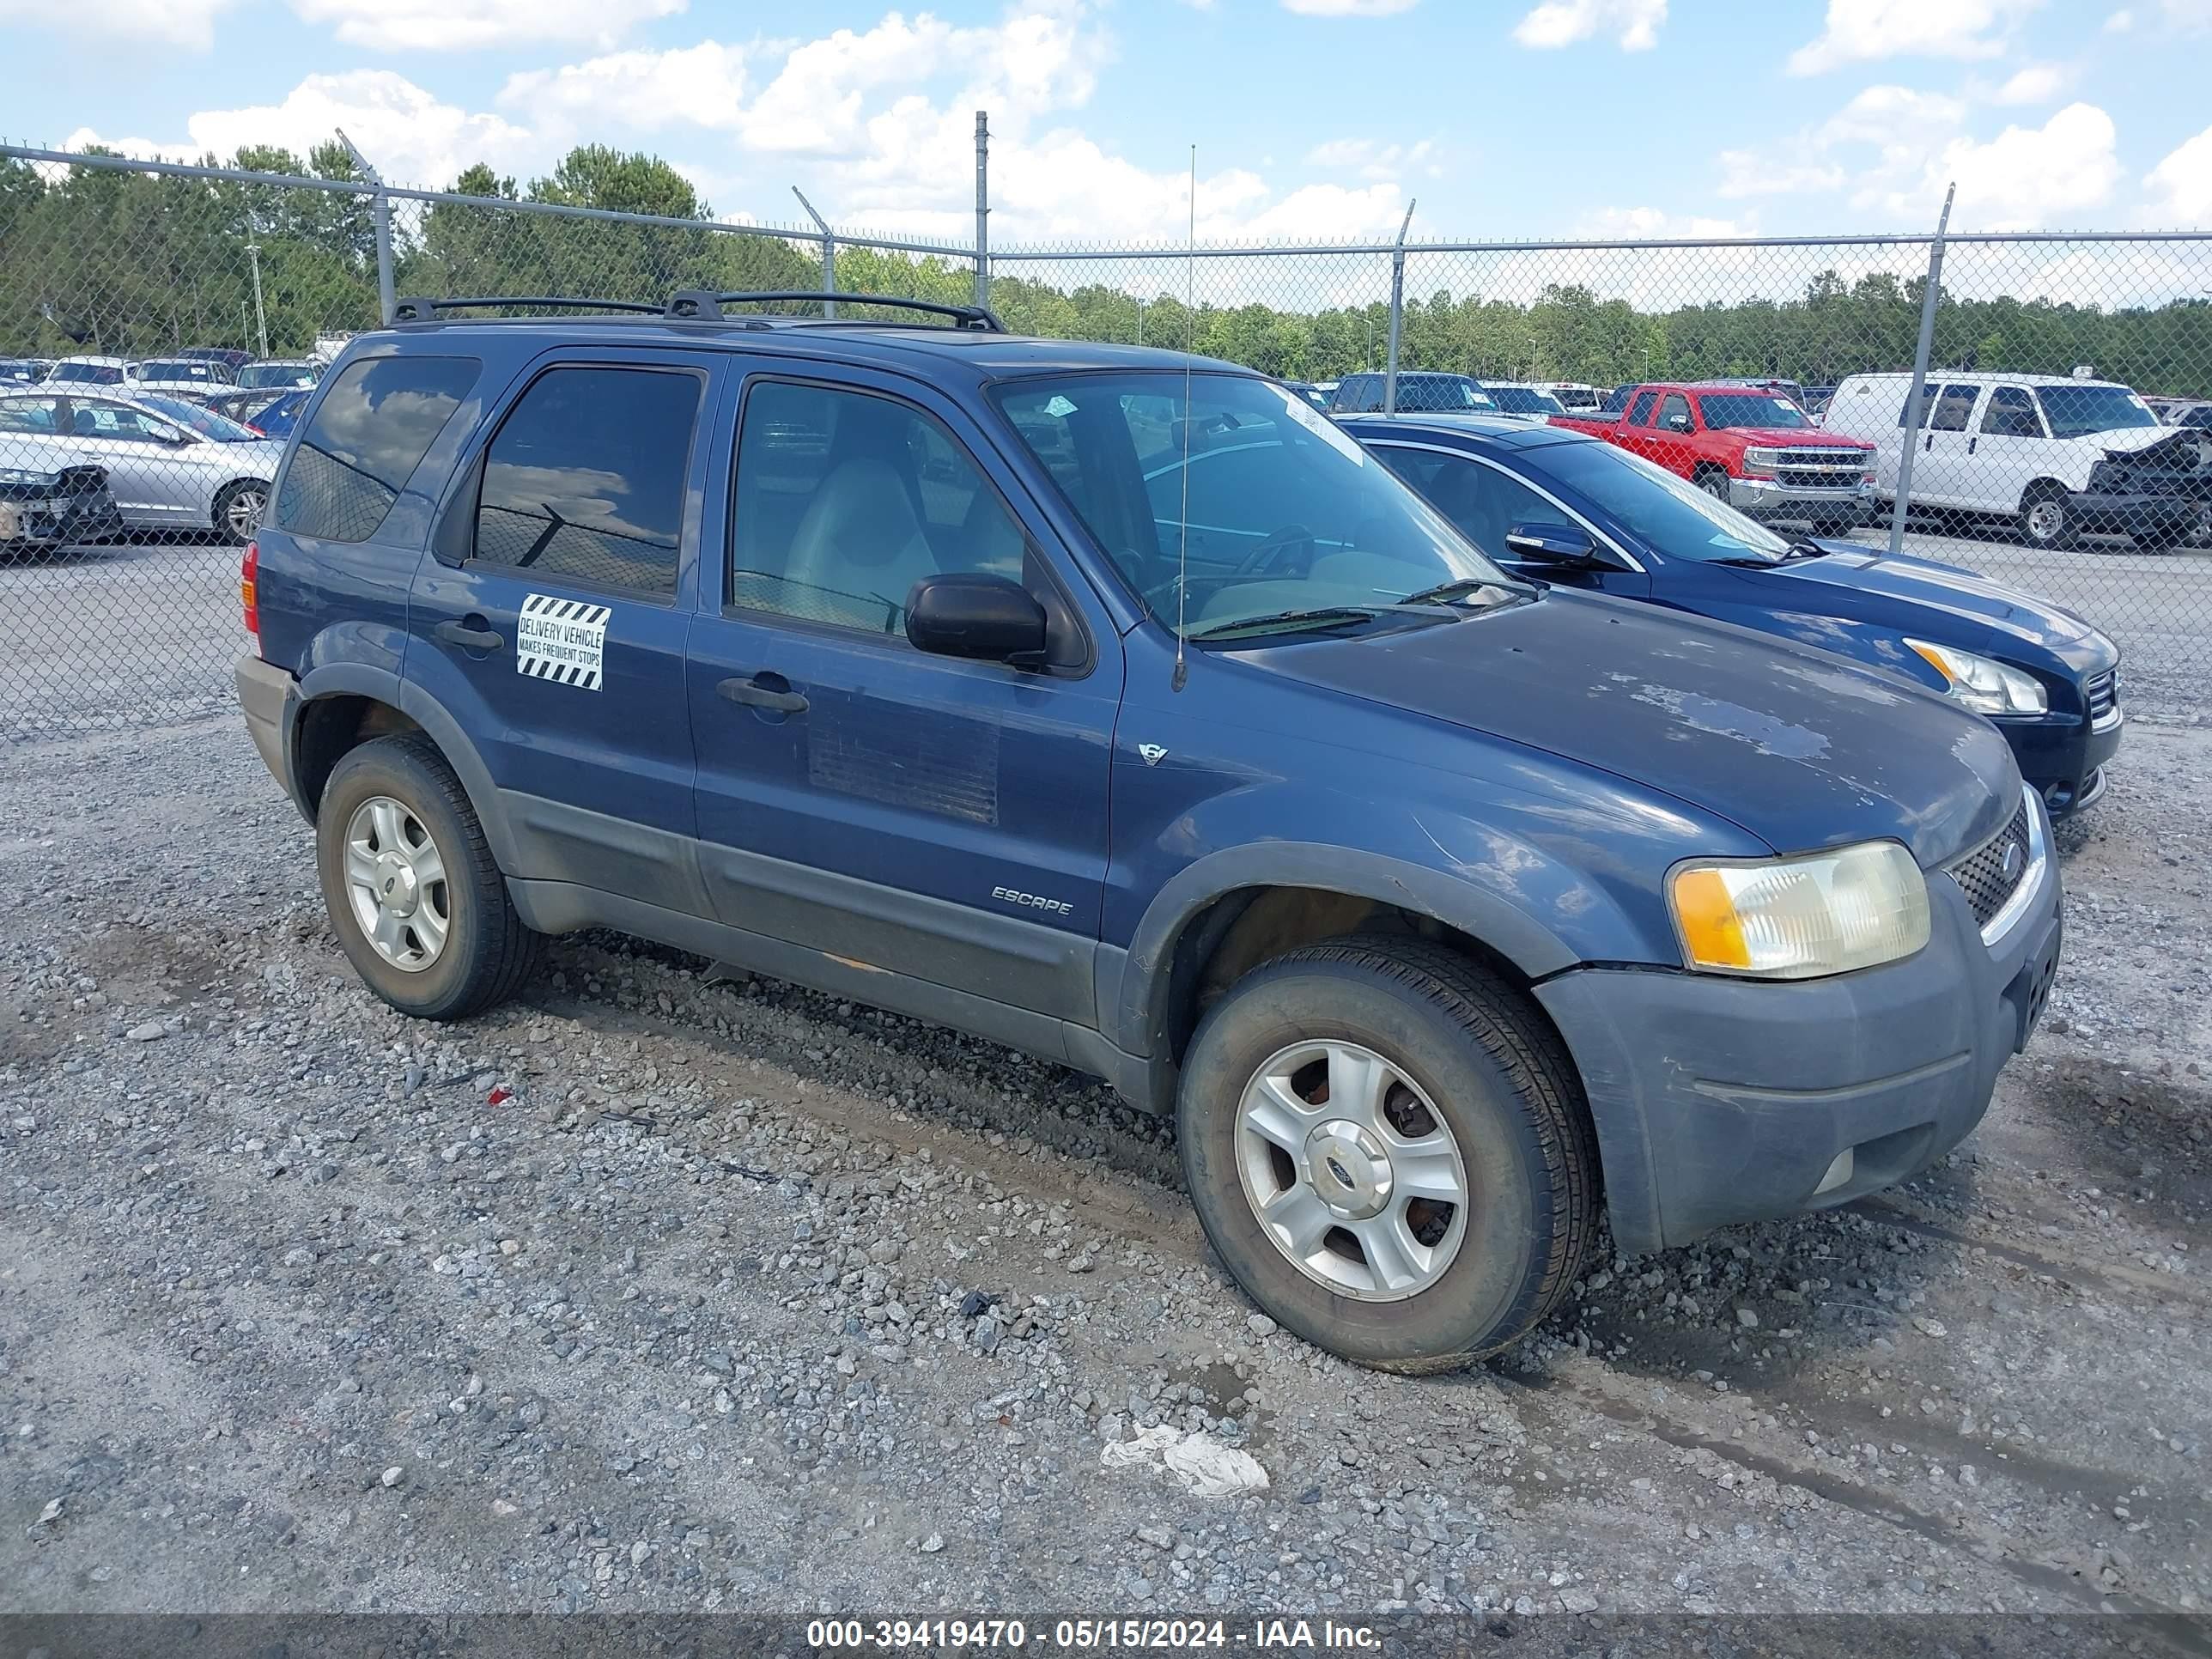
(1204, 1466)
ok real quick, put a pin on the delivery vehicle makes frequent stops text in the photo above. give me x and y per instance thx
(1121, 707)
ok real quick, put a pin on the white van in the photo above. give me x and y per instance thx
(2058, 456)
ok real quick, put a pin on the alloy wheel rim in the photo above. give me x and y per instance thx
(244, 511)
(396, 883)
(1351, 1171)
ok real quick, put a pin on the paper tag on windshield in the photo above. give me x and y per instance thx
(1320, 425)
(1784, 405)
(1059, 409)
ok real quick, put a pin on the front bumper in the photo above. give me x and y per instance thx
(2155, 515)
(1773, 498)
(1719, 1100)
(59, 520)
(2063, 757)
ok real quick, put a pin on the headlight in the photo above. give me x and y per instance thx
(1799, 918)
(1985, 686)
(19, 475)
(1764, 461)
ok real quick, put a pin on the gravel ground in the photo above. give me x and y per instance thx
(652, 1293)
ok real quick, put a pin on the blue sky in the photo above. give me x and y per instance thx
(1312, 118)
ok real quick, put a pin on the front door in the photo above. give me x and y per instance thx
(552, 626)
(924, 815)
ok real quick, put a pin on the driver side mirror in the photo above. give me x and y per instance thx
(1552, 544)
(985, 618)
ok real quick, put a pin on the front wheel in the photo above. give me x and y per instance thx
(239, 508)
(1388, 1148)
(2046, 519)
(1715, 484)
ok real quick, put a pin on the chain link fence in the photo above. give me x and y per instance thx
(158, 323)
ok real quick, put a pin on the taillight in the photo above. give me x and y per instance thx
(249, 580)
(255, 430)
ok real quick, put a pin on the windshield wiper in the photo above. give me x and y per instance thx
(1803, 548)
(1320, 617)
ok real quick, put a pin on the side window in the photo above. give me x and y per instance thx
(1640, 415)
(1418, 467)
(374, 424)
(1483, 503)
(846, 500)
(585, 477)
(1676, 407)
(2011, 414)
(28, 415)
(1954, 408)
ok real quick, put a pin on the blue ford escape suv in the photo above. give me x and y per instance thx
(1116, 706)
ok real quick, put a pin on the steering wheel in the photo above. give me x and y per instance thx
(1278, 549)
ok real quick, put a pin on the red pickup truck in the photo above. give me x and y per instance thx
(1755, 450)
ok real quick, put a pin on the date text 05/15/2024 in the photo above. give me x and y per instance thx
(1090, 1634)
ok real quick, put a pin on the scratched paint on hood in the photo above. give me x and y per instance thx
(1768, 733)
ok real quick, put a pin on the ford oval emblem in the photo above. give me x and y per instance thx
(2015, 860)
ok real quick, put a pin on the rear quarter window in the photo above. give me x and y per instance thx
(371, 429)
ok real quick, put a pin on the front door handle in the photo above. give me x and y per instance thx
(764, 690)
(468, 638)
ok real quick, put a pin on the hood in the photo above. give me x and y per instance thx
(2165, 449)
(2126, 440)
(1796, 437)
(1960, 607)
(1798, 747)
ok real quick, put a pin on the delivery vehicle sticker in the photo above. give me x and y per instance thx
(563, 641)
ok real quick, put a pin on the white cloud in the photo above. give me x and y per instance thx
(2120, 22)
(2181, 185)
(1348, 8)
(2023, 178)
(458, 25)
(703, 86)
(1632, 24)
(1764, 173)
(188, 23)
(2037, 83)
(410, 137)
(1866, 31)
(1371, 158)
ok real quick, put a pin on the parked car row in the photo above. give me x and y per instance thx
(195, 372)
(1123, 707)
(170, 464)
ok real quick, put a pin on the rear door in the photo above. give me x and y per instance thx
(935, 818)
(552, 621)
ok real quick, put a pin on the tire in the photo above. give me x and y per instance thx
(1714, 484)
(484, 952)
(238, 509)
(2047, 518)
(2199, 533)
(1466, 1054)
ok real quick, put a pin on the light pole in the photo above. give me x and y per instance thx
(1141, 322)
(260, 317)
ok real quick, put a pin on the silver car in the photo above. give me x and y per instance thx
(171, 464)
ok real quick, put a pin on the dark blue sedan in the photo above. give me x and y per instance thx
(1578, 513)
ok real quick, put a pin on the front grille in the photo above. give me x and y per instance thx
(2101, 692)
(1820, 477)
(1852, 461)
(1981, 874)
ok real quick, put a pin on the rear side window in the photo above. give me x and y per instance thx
(585, 478)
(375, 423)
(1641, 415)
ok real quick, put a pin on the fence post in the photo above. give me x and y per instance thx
(380, 208)
(829, 252)
(1914, 423)
(1397, 311)
(984, 211)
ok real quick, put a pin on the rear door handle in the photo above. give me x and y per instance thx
(764, 690)
(468, 638)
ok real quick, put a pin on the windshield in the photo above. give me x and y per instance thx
(1286, 512)
(87, 374)
(263, 375)
(1440, 392)
(1525, 400)
(195, 418)
(1750, 408)
(2075, 411)
(1678, 518)
(206, 373)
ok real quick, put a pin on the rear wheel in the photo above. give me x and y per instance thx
(2047, 518)
(418, 901)
(239, 508)
(1387, 1146)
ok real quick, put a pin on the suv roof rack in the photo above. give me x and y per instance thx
(697, 303)
(423, 310)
